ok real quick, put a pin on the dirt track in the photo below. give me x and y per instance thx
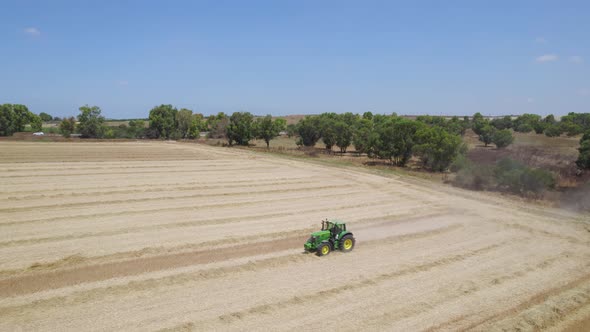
(157, 236)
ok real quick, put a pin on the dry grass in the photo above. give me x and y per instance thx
(183, 236)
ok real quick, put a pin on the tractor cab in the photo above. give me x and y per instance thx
(333, 235)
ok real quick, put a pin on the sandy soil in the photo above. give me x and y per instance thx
(168, 236)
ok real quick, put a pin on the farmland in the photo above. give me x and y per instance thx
(173, 236)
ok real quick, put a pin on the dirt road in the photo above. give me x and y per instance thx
(168, 236)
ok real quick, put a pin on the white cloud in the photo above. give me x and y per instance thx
(546, 58)
(540, 40)
(576, 59)
(32, 32)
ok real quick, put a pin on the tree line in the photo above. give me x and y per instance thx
(434, 140)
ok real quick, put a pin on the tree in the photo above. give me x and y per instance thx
(163, 121)
(240, 128)
(503, 123)
(67, 126)
(217, 125)
(364, 137)
(14, 118)
(396, 139)
(478, 123)
(309, 131)
(581, 120)
(197, 125)
(184, 120)
(328, 132)
(549, 119)
(527, 122)
(90, 122)
(502, 138)
(486, 134)
(7, 115)
(136, 129)
(455, 126)
(22, 116)
(539, 127)
(571, 128)
(583, 161)
(344, 135)
(291, 130)
(267, 128)
(36, 122)
(45, 117)
(437, 148)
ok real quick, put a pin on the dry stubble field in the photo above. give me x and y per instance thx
(168, 236)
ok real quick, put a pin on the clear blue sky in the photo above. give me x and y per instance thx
(296, 57)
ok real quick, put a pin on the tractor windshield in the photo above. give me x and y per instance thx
(327, 225)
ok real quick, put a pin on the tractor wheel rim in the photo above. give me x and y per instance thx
(325, 250)
(347, 244)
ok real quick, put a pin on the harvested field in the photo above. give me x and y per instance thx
(169, 236)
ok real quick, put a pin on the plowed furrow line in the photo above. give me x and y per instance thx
(182, 208)
(468, 287)
(153, 189)
(36, 283)
(112, 203)
(530, 302)
(367, 282)
(110, 174)
(109, 166)
(405, 217)
(64, 189)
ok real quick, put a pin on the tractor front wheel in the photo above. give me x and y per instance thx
(324, 249)
(347, 243)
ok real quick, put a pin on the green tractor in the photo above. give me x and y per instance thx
(333, 236)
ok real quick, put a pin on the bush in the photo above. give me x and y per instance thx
(502, 138)
(524, 128)
(552, 131)
(515, 177)
(475, 177)
(67, 126)
(507, 175)
(583, 161)
(461, 162)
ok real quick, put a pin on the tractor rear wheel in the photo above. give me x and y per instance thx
(324, 249)
(347, 243)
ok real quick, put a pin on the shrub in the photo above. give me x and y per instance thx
(502, 138)
(552, 131)
(67, 126)
(475, 177)
(515, 177)
(583, 161)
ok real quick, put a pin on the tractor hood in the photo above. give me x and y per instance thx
(319, 233)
